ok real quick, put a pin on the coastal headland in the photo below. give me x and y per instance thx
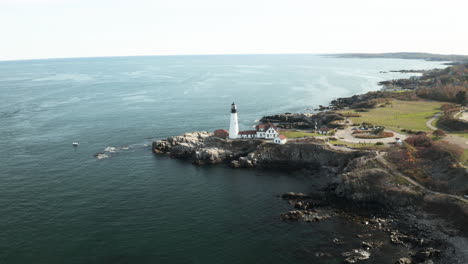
(412, 186)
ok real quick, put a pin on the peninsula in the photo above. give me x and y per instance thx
(402, 151)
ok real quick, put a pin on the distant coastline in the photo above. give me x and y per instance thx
(451, 59)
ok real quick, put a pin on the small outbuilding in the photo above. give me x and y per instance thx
(221, 133)
(324, 130)
(280, 139)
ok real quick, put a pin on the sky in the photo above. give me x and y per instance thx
(33, 29)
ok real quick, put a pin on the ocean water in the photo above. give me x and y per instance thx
(59, 204)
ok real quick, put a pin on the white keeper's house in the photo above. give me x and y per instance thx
(262, 131)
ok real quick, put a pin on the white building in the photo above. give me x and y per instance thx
(280, 139)
(262, 131)
(324, 130)
(267, 131)
(234, 124)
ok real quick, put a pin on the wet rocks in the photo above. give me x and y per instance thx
(426, 254)
(294, 196)
(307, 216)
(303, 205)
(204, 148)
(337, 241)
(294, 215)
(371, 245)
(356, 255)
(404, 261)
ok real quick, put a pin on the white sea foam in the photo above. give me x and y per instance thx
(110, 149)
(101, 156)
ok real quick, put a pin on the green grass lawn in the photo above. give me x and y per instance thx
(400, 114)
(298, 134)
(464, 157)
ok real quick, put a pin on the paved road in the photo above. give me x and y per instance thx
(346, 135)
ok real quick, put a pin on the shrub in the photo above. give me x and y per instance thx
(386, 134)
(378, 130)
(447, 107)
(349, 114)
(333, 138)
(439, 133)
(379, 143)
(419, 141)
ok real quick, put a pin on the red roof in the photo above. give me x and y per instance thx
(221, 131)
(248, 132)
(266, 126)
(282, 137)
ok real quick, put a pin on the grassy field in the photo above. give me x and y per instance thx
(400, 114)
(464, 158)
(298, 134)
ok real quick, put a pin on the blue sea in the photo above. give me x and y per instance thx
(59, 204)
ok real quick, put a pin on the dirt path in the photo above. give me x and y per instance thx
(394, 170)
(431, 120)
(453, 139)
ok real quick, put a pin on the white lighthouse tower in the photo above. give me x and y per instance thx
(234, 125)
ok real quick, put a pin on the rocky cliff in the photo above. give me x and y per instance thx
(302, 154)
(368, 181)
(205, 148)
(363, 178)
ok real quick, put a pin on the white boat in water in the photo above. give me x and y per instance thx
(75, 144)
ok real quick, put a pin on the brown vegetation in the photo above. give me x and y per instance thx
(420, 156)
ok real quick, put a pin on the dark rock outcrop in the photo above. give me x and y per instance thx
(356, 255)
(367, 181)
(303, 154)
(204, 148)
(304, 121)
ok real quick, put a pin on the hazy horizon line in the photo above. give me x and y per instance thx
(226, 54)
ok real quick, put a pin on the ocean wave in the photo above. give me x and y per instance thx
(65, 77)
(109, 151)
(252, 66)
(138, 99)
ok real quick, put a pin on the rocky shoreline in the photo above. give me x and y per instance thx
(361, 186)
(358, 179)
(423, 243)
